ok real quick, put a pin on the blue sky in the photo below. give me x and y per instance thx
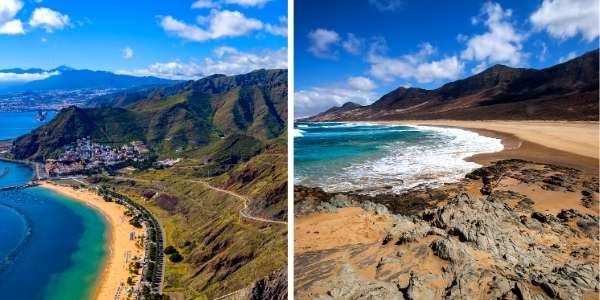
(177, 39)
(359, 50)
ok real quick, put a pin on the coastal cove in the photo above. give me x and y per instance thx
(60, 249)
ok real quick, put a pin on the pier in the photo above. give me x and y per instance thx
(18, 187)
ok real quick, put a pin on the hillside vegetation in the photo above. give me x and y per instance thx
(229, 132)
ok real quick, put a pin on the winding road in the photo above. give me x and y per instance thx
(245, 200)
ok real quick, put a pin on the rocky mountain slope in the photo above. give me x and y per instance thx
(567, 91)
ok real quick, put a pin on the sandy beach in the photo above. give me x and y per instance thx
(545, 200)
(571, 144)
(121, 248)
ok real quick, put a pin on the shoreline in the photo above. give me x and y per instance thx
(114, 273)
(570, 143)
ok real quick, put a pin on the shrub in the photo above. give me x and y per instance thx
(176, 257)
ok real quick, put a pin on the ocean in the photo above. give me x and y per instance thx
(15, 124)
(51, 247)
(374, 158)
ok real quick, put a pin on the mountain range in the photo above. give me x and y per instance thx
(567, 91)
(67, 78)
(183, 117)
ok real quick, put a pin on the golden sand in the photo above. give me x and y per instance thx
(121, 248)
(580, 138)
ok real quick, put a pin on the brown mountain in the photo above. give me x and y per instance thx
(567, 91)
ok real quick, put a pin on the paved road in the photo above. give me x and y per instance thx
(244, 199)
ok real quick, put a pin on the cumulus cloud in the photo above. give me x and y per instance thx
(361, 83)
(314, 100)
(569, 56)
(386, 5)
(25, 77)
(231, 61)
(280, 29)
(225, 60)
(501, 44)
(48, 19)
(352, 44)
(247, 3)
(217, 4)
(321, 42)
(563, 19)
(219, 24)
(205, 4)
(127, 52)
(8, 11)
(12, 27)
(417, 66)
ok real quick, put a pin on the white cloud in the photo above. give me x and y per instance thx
(544, 52)
(205, 4)
(321, 41)
(281, 29)
(231, 61)
(386, 5)
(12, 27)
(501, 44)
(25, 77)
(247, 3)
(127, 52)
(314, 100)
(564, 19)
(8, 10)
(569, 56)
(361, 83)
(479, 68)
(48, 19)
(219, 3)
(43, 40)
(220, 24)
(413, 66)
(352, 44)
(225, 60)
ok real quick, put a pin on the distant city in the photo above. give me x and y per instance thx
(49, 100)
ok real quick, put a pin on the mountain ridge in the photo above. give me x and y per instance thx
(566, 91)
(191, 116)
(67, 78)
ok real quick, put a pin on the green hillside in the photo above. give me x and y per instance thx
(230, 132)
(187, 118)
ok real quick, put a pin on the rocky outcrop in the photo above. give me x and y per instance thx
(273, 287)
(491, 251)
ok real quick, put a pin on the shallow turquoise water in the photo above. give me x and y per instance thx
(375, 158)
(51, 247)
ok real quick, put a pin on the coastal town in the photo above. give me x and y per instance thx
(86, 155)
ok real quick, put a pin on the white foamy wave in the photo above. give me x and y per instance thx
(432, 161)
(345, 125)
(298, 132)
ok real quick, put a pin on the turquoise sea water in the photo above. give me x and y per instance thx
(377, 158)
(15, 124)
(51, 247)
